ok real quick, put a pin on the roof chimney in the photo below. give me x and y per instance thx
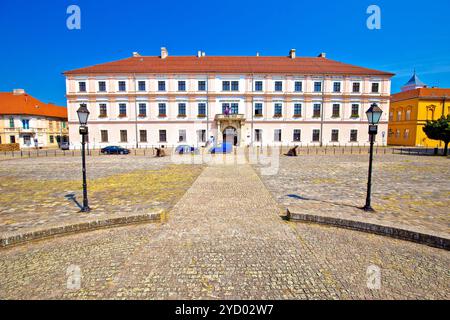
(164, 53)
(322, 55)
(292, 54)
(136, 54)
(257, 54)
(203, 53)
(199, 54)
(18, 92)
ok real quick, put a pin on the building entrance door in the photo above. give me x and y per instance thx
(230, 135)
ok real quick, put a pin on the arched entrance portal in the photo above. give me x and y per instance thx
(230, 135)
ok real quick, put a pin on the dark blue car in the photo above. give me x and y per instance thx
(222, 148)
(114, 150)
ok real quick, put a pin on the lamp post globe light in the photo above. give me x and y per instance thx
(83, 116)
(373, 116)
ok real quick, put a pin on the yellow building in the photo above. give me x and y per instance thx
(30, 122)
(410, 110)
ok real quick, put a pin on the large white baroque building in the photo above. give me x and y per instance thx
(171, 100)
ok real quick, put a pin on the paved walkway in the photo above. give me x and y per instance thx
(223, 239)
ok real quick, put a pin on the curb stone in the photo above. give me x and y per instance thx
(420, 237)
(19, 238)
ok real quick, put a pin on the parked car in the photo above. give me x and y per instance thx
(114, 150)
(222, 148)
(185, 149)
(64, 146)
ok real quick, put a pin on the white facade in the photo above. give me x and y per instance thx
(117, 103)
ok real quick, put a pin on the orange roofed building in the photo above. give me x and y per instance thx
(29, 122)
(193, 100)
(411, 109)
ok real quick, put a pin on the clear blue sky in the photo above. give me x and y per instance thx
(37, 47)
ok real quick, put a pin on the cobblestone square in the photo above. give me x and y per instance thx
(45, 192)
(225, 238)
(407, 190)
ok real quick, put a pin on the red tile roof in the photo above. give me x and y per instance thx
(423, 93)
(230, 64)
(27, 105)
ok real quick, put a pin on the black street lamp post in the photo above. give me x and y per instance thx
(83, 115)
(373, 115)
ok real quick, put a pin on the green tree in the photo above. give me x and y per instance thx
(439, 130)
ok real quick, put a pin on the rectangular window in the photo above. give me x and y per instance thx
(143, 135)
(317, 86)
(12, 139)
(278, 86)
(258, 110)
(202, 86)
(182, 135)
(162, 109)
(182, 109)
(103, 110)
(122, 86)
(277, 135)
(141, 86)
(298, 86)
(202, 109)
(82, 86)
(297, 110)
(336, 110)
(102, 86)
(337, 87)
(226, 108)
(181, 85)
(316, 135)
(334, 135)
(355, 110)
(52, 139)
(161, 86)
(317, 110)
(122, 110)
(25, 124)
(162, 136)
(297, 135)
(104, 135)
(258, 135)
(391, 116)
(356, 87)
(234, 108)
(234, 85)
(353, 135)
(142, 109)
(27, 140)
(258, 86)
(408, 115)
(201, 135)
(11, 122)
(225, 85)
(406, 134)
(278, 109)
(123, 136)
(375, 87)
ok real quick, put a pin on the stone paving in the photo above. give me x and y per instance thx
(407, 191)
(224, 239)
(42, 193)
